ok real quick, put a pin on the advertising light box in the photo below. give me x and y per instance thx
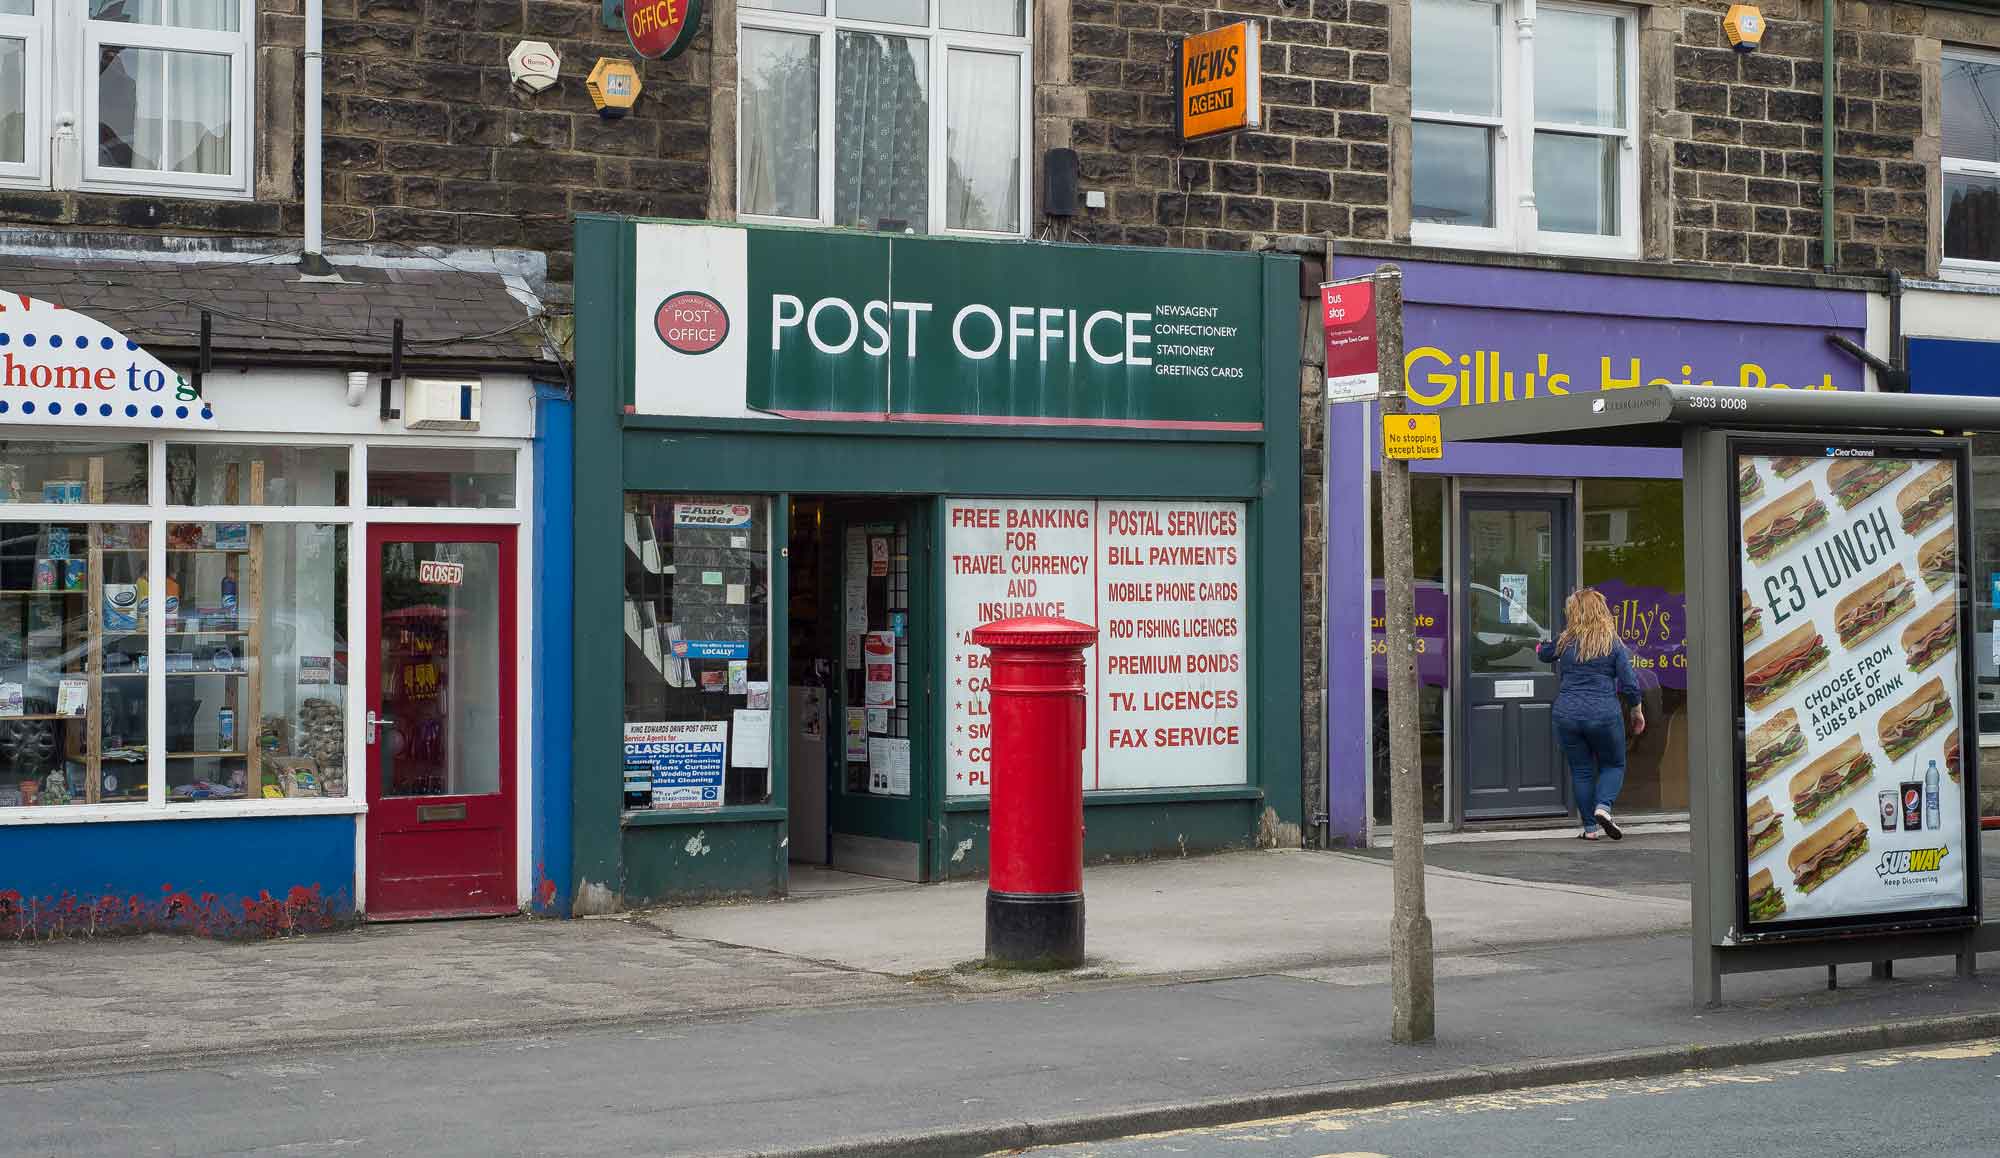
(1859, 795)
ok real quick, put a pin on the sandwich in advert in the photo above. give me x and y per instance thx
(1764, 827)
(1783, 521)
(1767, 900)
(1818, 858)
(1926, 499)
(1910, 720)
(1797, 654)
(1791, 464)
(1830, 777)
(1931, 636)
(1869, 609)
(1771, 745)
(1749, 484)
(1937, 559)
(1854, 479)
(1951, 755)
(1753, 618)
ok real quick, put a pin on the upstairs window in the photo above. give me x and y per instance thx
(1971, 159)
(884, 114)
(147, 96)
(1547, 166)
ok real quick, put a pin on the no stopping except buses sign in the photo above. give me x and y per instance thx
(1216, 81)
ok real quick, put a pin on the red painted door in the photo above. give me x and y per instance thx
(440, 731)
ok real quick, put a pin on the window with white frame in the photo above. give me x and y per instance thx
(897, 114)
(1523, 126)
(127, 95)
(1971, 158)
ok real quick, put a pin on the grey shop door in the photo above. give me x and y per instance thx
(1516, 557)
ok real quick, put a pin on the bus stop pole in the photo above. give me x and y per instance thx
(1414, 997)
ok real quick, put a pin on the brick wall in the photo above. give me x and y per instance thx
(1320, 165)
(427, 140)
(1746, 153)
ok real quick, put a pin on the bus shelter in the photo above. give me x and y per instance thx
(1833, 747)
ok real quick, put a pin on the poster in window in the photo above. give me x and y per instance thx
(683, 762)
(878, 650)
(1859, 803)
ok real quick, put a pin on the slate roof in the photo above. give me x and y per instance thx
(261, 305)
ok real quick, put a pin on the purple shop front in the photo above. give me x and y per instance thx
(1485, 336)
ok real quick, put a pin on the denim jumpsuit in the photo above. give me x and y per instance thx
(1590, 724)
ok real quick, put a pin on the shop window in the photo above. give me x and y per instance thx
(1970, 86)
(1434, 643)
(697, 651)
(883, 114)
(163, 88)
(1985, 565)
(256, 661)
(72, 717)
(432, 476)
(72, 472)
(1480, 139)
(1632, 554)
(212, 474)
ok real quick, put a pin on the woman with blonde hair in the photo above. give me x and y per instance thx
(1594, 675)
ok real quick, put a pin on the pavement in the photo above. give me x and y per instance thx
(1203, 916)
(849, 1022)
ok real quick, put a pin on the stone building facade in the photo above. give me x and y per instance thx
(1730, 142)
(428, 142)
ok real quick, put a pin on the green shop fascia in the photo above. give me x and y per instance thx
(809, 462)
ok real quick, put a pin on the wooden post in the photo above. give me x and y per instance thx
(93, 597)
(250, 620)
(1412, 984)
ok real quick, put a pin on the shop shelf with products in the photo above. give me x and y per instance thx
(58, 716)
(214, 647)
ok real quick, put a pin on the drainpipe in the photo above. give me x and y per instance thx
(314, 260)
(1826, 138)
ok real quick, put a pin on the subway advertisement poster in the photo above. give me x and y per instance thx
(1855, 753)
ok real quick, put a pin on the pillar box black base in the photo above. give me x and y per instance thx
(1034, 930)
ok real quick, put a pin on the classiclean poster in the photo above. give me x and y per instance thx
(1854, 788)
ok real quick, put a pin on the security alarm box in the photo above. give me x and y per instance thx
(441, 404)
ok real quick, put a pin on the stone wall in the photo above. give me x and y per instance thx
(429, 142)
(1320, 165)
(1746, 141)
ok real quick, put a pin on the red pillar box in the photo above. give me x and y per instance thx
(1034, 894)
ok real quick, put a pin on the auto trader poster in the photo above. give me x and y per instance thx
(1854, 796)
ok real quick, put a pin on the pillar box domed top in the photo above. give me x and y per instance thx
(1035, 631)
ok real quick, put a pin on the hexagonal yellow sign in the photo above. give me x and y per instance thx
(1744, 25)
(613, 85)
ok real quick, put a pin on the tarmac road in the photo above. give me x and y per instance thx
(1937, 1102)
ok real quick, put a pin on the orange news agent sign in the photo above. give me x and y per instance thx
(1216, 81)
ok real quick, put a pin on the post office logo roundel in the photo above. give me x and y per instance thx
(691, 322)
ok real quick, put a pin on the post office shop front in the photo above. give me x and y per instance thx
(264, 652)
(822, 458)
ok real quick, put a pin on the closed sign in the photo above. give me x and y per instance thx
(1217, 81)
(442, 574)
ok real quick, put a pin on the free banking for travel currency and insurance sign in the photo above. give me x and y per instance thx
(733, 321)
(1858, 785)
